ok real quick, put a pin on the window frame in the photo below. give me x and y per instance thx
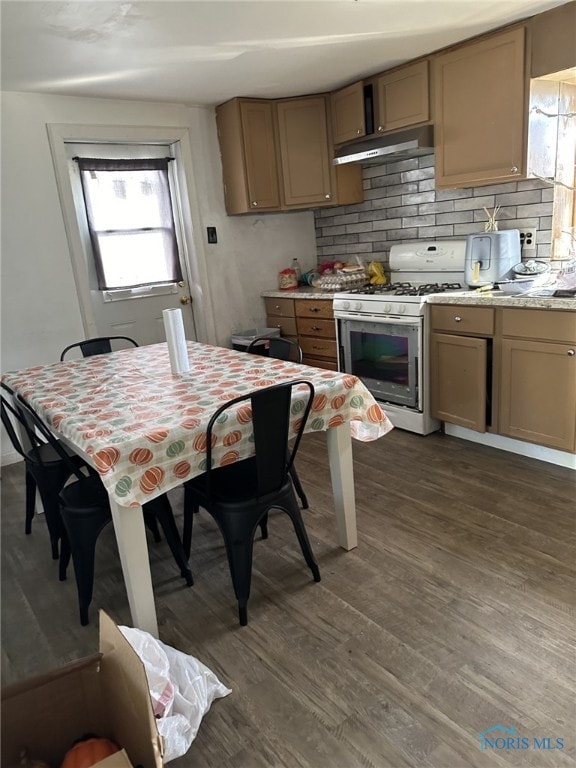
(89, 165)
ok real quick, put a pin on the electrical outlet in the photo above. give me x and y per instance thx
(527, 240)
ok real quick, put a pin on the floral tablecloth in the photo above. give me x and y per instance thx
(144, 428)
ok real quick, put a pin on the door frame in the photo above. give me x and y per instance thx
(60, 134)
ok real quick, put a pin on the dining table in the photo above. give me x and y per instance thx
(143, 428)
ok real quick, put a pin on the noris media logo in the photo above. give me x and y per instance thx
(497, 737)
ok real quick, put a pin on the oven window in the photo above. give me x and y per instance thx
(379, 356)
(385, 356)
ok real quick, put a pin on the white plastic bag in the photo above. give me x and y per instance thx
(181, 687)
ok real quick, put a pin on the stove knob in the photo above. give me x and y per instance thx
(387, 308)
(402, 309)
(345, 305)
(358, 306)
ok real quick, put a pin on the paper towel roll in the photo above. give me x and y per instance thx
(174, 329)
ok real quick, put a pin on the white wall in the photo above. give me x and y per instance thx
(40, 312)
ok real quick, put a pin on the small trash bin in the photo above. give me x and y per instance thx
(242, 339)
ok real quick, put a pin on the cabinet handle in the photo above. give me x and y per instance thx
(317, 328)
(327, 197)
(458, 319)
(514, 169)
(571, 352)
(254, 204)
(358, 131)
(381, 129)
(314, 309)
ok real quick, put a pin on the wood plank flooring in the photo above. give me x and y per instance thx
(455, 613)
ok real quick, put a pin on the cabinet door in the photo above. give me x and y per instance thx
(248, 151)
(481, 111)
(538, 393)
(260, 154)
(348, 120)
(402, 97)
(304, 151)
(458, 387)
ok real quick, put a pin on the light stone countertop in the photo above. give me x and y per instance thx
(490, 299)
(470, 298)
(306, 292)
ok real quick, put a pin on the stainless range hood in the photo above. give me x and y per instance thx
(408, 143)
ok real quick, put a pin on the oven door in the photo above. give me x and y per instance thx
(384, 353)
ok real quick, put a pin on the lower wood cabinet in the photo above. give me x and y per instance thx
(310, 322)
(458, 375)
(509, 371)
(538, 377)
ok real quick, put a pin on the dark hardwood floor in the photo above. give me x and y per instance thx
(454, 614)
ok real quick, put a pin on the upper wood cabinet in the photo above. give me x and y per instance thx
(481, 111)
(348, 117)
(248, 147)
(553, 40)
(276, 155)
(402, 97)
(304, 151)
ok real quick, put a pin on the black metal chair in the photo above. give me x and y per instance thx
(283, 349)
(97, 346)
(278, 347)
(44, 466)
(240, 495)
(85, 511)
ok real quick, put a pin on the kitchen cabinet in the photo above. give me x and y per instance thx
(248, 149)
(552, 38)
(304, 151)
(308, 177)
(402, 97)
(276, 155)
(348, 117)
(538, 377)
(480, 113)
(461, 365)
(317, 332)
(308, 321)
(280, 313)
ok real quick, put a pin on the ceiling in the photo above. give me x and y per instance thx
(207, 52)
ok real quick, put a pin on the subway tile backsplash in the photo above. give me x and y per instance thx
(400, 203)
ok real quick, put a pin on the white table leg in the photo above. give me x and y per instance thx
(342, 473)
(133, 550)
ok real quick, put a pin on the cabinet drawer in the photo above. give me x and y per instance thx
(329, 365)
(287, 325)
(548, 325)
(312, 326)
(312, 308)
(312, 347)
(279, 307)
(463, 319)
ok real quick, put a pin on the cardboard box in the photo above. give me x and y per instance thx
(106, 693)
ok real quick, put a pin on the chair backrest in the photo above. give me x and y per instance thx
(271, 408)
(278, 348)
(97, 346)
(10, 408)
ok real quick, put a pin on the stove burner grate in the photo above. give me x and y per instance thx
(406, 289)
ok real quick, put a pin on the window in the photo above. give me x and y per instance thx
(130, 221)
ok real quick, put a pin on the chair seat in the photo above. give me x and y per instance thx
(84, 495)
(231, 485)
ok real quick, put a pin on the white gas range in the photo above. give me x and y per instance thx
(383, 333)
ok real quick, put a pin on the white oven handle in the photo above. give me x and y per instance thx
(378, 318)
